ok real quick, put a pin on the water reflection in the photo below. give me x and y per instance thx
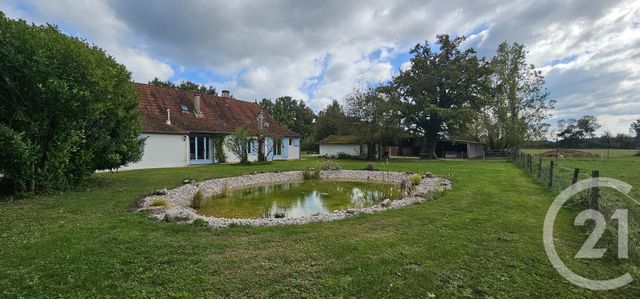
(298, 199)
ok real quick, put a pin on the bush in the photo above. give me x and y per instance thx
(196, 200)
(159, 202)
(311, 173)
(67, 110)
(345, 156)
(218, 143)
(199, 222)
(416, 179)
(326, 164)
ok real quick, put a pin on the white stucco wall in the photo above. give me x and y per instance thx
(294, 149)
(334, 149)
(162, 150)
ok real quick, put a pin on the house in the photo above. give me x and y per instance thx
(408, 146)
(180, 128)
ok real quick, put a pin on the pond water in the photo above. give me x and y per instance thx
(298, 199)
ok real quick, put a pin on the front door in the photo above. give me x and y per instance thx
(200, 150)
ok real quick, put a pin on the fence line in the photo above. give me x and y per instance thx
(557, 177)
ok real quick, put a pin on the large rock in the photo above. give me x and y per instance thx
(162, 191)
(179, 216)
(386, 203)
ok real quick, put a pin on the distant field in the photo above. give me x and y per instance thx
(619, 164)
(604, 153)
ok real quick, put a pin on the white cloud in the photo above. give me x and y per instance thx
(96, 22)
(318, 51)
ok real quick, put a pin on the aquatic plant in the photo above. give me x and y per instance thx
(196, 200)
(159, 202)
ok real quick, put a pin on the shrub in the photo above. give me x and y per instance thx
(159, 202)
(196, 200)
(416, 179)
(67, 110)
(310, 173)
(199, 222)
(218, 143)
(345, 156)
(637, 154)
(238, 143)
(326, 164)
(224, 190)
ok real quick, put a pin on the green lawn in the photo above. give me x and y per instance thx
(481, 239)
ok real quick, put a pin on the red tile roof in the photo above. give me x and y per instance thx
(219, 114)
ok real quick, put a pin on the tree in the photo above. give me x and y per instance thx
(332, 121)
(262, 146)
(67, 109)
(377, 118)
(294, 114)
(440, 93)
(568, 129)
(186, 85)
(635, 128)
(587, 126)
(573, 130)
(517, 102)
(238, 143)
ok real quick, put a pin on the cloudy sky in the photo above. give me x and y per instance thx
(589, 51)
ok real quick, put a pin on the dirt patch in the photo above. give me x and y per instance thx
(569, 154)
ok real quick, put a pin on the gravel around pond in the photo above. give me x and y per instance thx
(179, 199)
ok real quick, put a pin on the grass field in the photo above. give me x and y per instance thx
(481, 239)
(620, 164)
(602, 152)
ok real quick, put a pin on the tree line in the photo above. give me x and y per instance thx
(581, 133)
(448, 92)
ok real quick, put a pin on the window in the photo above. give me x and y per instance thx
(277, 147)
(249, 146)
(184, 108)
(290, 141)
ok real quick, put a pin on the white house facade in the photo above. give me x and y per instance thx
(180, 128)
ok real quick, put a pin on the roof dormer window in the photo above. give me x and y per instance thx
(184, 108)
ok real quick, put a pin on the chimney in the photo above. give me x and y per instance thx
(196, 103)
(261, 121)
(226, 94)
(168, 117)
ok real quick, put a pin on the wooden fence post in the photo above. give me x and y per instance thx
(593, 200)
(551, 173)
(576, 173)
(539, 168)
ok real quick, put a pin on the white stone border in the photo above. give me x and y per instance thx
(179, 198)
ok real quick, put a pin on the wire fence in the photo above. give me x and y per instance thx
(557, 175)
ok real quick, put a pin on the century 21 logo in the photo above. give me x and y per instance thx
(588, 249)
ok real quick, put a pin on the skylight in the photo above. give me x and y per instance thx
(184, 108)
